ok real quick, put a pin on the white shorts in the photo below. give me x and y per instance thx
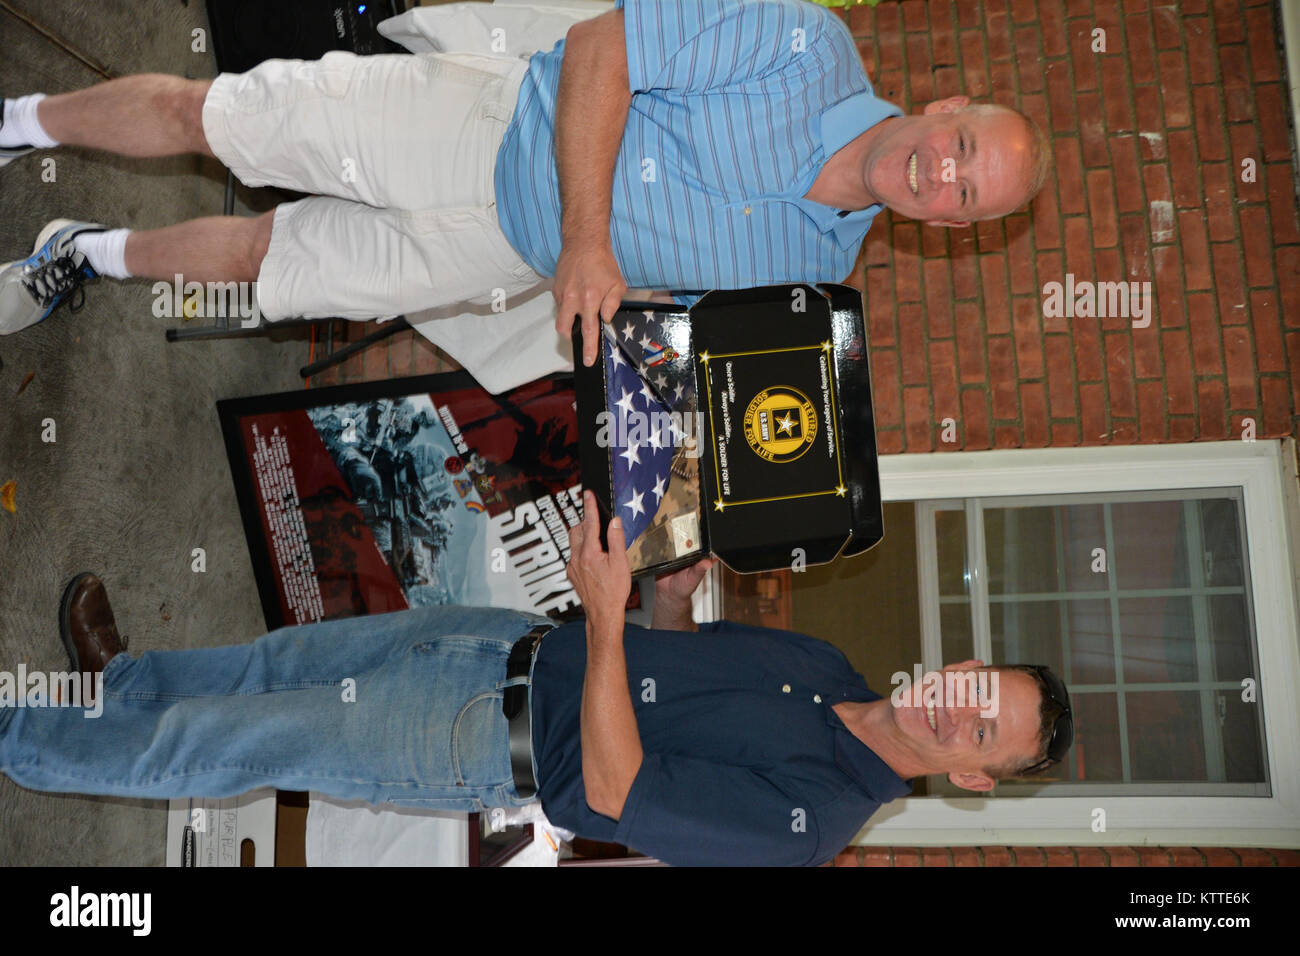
(399, 151)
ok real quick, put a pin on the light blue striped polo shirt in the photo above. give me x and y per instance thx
(736, 106)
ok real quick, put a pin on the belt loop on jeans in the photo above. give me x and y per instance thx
(514, 704)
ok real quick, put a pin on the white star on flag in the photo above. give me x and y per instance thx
(646, 461)
(634, 503)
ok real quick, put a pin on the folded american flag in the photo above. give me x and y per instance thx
(659, 353)
(642, 441)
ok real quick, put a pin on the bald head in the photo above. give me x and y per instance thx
(957, 162)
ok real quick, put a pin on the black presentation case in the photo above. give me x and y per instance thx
(787, 450)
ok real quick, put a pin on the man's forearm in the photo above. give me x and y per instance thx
(611, 743)
(651, 295)
(590, 117)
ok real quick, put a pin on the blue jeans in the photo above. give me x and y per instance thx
(421, 725)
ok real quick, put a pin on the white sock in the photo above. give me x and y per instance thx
(21, 127)
(106, 251)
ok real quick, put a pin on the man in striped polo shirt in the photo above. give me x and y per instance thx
(680, 146)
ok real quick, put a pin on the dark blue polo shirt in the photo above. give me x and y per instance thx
(745, 762)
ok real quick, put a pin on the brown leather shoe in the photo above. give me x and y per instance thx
(87, 626)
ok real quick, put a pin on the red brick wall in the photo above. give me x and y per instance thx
(1165, 116)
(407, 353)
(1064, 856)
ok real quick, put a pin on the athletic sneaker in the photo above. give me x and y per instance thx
(32, 288)
(9, 153)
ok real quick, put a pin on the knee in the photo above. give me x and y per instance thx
(259, 242)
(181, 101)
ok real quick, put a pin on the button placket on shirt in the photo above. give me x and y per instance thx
(747, 205)
(786, 688)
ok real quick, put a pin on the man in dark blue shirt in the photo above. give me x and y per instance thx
(748, 745)
(744, 758)
(732, 744)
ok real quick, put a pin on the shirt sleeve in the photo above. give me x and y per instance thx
(699, 45)
(687, 811)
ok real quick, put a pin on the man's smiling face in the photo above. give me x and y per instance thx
(964, 742)
(951, 166)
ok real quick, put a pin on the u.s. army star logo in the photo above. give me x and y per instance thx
(780, 424)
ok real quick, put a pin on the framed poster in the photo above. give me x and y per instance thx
(380, 496)
(741, 427)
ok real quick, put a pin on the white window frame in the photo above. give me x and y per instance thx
(1266, 473)
(978, 604)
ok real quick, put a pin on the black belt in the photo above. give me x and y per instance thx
(514, 704)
